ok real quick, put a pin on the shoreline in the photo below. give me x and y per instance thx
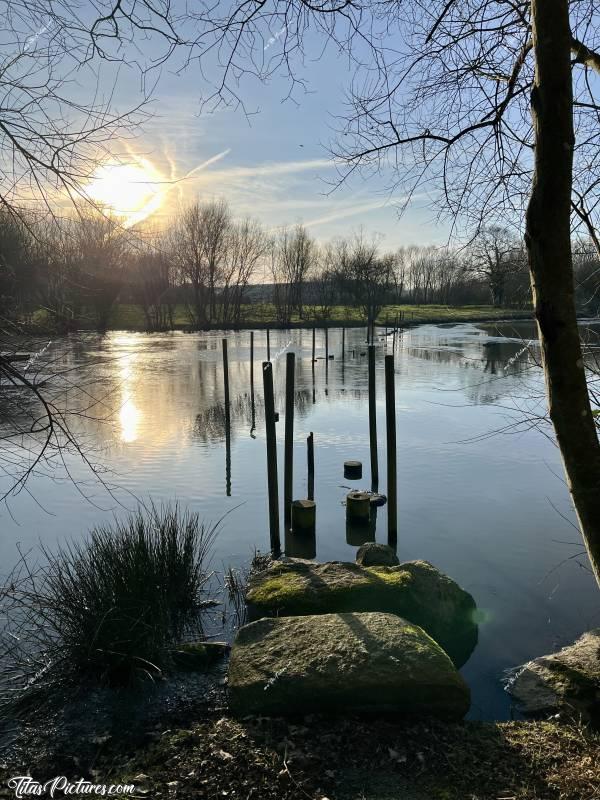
(249, 325)
(324, 757)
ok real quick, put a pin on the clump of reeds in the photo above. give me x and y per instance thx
(108, 609)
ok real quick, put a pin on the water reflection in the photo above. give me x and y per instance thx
(300, 544)
(129, 414)
(474, 507)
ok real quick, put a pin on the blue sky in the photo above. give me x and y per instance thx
(273, 164)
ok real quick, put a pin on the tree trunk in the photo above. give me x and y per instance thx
(548, 239)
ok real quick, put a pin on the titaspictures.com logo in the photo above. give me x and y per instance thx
(24, 786)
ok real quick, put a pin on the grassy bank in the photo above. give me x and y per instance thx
(379, 760)
(351, 759)
(130, 317)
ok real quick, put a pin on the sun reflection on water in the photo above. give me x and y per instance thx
(129, 414)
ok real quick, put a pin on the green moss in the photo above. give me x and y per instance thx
(390, 576)
(279, 589)
(415, 591)
(294, 591)
(570, 679)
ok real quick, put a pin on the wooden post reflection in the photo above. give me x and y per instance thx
(227, 421)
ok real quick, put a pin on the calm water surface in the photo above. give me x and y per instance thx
(481, 493)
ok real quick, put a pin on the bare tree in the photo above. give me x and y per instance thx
(186, 242)
(364, 277)
(153, 282)
(100, 247)
(199, 240)
(497, 256)
(548, 238)
(586, 262)
(293, 256)
(247, 246)
(215, 226)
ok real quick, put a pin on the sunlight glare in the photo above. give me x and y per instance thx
(132, 190)
(129, 414)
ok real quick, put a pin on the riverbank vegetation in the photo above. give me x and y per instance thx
(108, 610)
(208, 269)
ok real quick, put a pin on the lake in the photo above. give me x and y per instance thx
(480, 487)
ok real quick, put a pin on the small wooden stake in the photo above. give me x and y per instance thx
(310, 458)
(373, 421)
(303, 515)
(390, 412)
(268, 346)
(271, 458)
(358, 506)
(313, 347)
(343, 344)
(288, 461)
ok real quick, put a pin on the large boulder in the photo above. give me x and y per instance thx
(415, 590)
(566, 682)
(342, 662)
(372, 554)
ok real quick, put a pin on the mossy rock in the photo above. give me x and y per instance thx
(368, 662)
(414, 590)
(566, 682)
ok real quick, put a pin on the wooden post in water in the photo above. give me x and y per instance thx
(268, 346)
(390, 419)
(271, 458)
(358, 506)
(227, 421)
(310, 459)
(313, 347)
(343, 344)
(326, 344)
(252, 363)
(373, 421)
(288, 459)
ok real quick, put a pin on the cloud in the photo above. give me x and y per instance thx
(350, 211)
(268, 169)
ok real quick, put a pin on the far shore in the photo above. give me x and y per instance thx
(130, 318)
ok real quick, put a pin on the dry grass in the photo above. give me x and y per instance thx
(352, 759)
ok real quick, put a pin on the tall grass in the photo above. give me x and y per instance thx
(109, 609)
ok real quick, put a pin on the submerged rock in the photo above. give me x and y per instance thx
(342, 662)
(199, 655)
(566, 682)
(372, 554)
(414, 590)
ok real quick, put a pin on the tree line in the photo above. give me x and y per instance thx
(214, 266)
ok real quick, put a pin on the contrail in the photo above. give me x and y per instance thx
(207, 163)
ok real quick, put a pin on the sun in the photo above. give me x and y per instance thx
(132, 191)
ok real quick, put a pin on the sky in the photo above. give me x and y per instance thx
(272, 163)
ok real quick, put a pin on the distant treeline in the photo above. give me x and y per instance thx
(74, 271)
